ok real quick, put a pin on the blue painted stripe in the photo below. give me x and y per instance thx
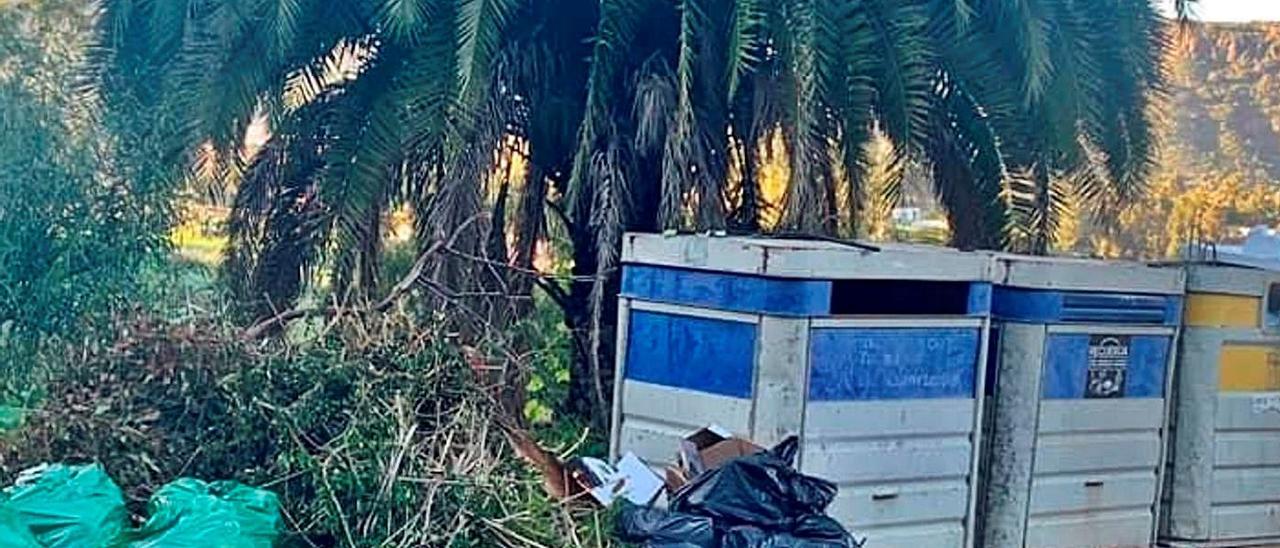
(713, 356)
(1173, 310)
(979, 299)
(722, 291)
(891, 364)
(1067, 362)
(1041, 306)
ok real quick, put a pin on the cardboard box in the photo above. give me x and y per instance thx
(675, 478)
(710, 447)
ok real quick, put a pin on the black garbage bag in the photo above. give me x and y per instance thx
(812, 531)
(761, 490)
(657, 528)
(756, 501)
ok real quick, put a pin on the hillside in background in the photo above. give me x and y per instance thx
(1226, 101)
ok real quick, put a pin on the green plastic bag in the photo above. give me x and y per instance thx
(223, 514)
(14, 533)
(68, 506)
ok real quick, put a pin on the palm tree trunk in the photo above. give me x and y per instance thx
(577, 317)
(530, 228)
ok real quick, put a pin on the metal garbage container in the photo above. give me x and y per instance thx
(1077, 412)
(874, 355)
(1224, 485)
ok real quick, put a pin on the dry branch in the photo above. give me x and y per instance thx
(406, 283)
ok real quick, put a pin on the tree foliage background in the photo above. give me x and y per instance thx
(75, 225)
(378, 105)
(499, 125)
(1218, 172)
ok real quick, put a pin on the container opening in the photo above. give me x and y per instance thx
(899, 297)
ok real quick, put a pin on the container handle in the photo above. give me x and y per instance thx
(886, 494)
(1093, 483)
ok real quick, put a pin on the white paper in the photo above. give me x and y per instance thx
(641, 484)
(631, 479)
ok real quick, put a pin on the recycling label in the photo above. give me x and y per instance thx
(1107, 367)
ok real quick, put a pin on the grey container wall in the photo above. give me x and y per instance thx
(1077, 407)
(1224, 488)
(875, 357)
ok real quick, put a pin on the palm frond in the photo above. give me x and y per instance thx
(655, 101)
(284, 21)
(744, 43)
(1036, 203)
(616, 30)
(854, 102)
(1136, 86)
(337, 67)
(694, 151)
(358, 163)
(810, 191)
(1185, 9)
(481, 24)
(609, 216)
(275, 226)
(404, 20)
(970, 173)
(1031, 29)
(905, 77)
(427, 84)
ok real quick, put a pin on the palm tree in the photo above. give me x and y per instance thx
(1011, 103)
(633, 115)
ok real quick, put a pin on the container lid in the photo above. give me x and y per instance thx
(1261, 249)
(1080, 274)
(824, 259)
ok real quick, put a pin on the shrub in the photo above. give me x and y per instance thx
(369, 440)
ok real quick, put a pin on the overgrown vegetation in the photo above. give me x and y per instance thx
(378, 434)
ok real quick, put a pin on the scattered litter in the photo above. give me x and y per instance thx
(63, 506)
(708, 448)
(602, 482)
(753, 500)
(640, 484)
(190, 512)
(67, 506)
(630, 479)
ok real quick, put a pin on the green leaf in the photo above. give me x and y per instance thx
(405, 20)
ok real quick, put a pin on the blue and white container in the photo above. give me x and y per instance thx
(874, 355)
(1076, 440)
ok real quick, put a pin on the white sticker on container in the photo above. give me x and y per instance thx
(1266, 403)
(695, 251)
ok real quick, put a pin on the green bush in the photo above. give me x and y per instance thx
(371, 436)
(72, 237)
